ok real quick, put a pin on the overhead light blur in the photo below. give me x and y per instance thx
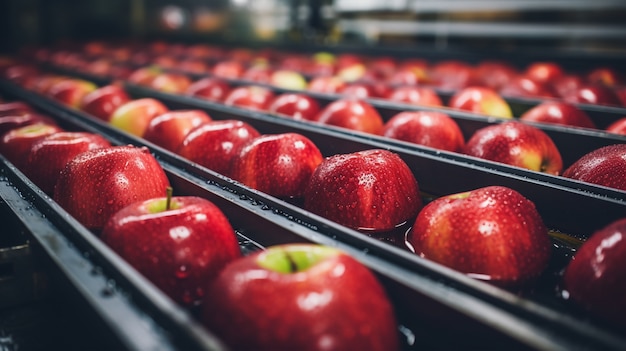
(173, 17)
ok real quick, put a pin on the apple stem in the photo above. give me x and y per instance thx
(293, 267)
(168, 199)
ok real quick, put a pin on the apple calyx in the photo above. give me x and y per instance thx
(294, 258)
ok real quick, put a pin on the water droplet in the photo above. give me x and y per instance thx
(182, 272)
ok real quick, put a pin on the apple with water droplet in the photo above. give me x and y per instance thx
(516, 144)
(48, 156)
(251, 97)
(558, 112)
(15, 144)
(97, 183)
(171, 128)
(605, 166)
(277, 164)
(481, 100)
(295, 105)
(179, 244)
(71, 91)
(300, 297)
(429, 128)
(492, 233)
(351, 113)
(215, 144)
(10, 122)
(135, 116)
(210, 88)
(594, 278)
(415, 95)
(103, 101)
(372, 190)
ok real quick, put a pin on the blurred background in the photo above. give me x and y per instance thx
(562, 25)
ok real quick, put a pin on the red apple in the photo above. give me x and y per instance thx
(228, 69)
(251, 97)
(288, 79)
(193, 65)
(605, 166)
(594, 278)
(96, 184)
(415, 95)
(215, 144)
(372, 190)
(49, 155)
(10, 122)
(169, 82)
(14, 108)
(326, 85)
(15, 144)
(295, 105)
(258, 74)
(494, 74)
(102, 102)
(144, 75)
(564, 85)
(558, 112)
(491, 233)
(451, 74)
(360, 90)
(543, 72)
(352, 114)
(605, 76)
(481, 100)
(279, 165)
(179, 246)
(135, 116)
(44, 82)
(428, 128)
(409, 76)
(617, 127)
(594, 94)
(523, 86)
(210, 88)
(71, 91)
(300, 297)
(516, 144)
(170, 129)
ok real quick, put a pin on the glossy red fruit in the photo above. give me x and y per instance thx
(71, 91)
(277, 164)
(103, 101)
(522, 86)
(617, 127)
(481, 100)
(210, 88)
(15, 108)
(604, 166)
(516, 144)
(491, 233)
(97, 183)
(10, 122)
(252, 97)
(372, 190)
(180, 249)
(215, 144)
(595, 95)
(352, 114)
(326, 85)
(428, 128)
(300, 297)
(15, 144)
(594, 278)
(543, 72)
(415, 95)
(494, 74)
(169, 82)
(558, 112)
(295, 105)
(48, 156)
(171, 128)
